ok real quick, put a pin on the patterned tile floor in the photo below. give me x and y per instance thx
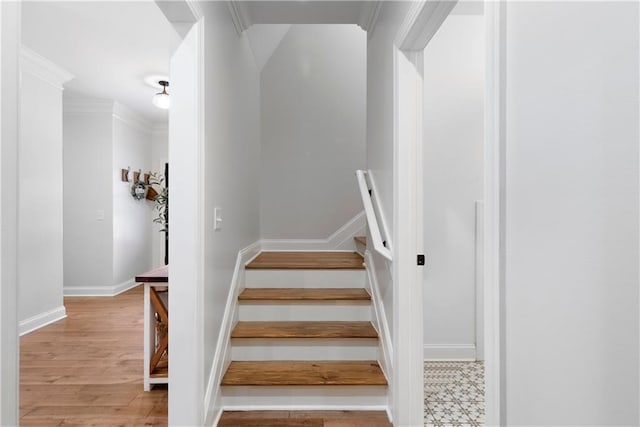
(454, 394)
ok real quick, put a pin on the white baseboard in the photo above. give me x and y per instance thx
(379, 318)
(99, 291)
(462, 352)
(222, 356)
(40, 320)
(341, 240)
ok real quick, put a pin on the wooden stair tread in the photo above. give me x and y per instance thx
(266, 418)
(299, 373)
(361, 239)
(307, 261)
(272, 422)
(304, 294)
(305, 329)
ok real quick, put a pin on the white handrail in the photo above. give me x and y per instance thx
(372, 220)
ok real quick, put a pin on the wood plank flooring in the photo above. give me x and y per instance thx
(304, 419)
(286, 372)
(87, 369)
(304, 294)
(307, 261)
(307, 329)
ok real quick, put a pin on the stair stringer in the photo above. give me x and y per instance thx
(213, 403)
(379, 320)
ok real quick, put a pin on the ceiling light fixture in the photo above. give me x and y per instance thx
(161, 99)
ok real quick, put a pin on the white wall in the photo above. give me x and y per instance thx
(108, 234)
(313, 107)
(571, 287)
(453, 182)
(232, 160)
(131, 225)
(88, 200)
(380, 127)
(40, 232)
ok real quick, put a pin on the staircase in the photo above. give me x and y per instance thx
(304, 336)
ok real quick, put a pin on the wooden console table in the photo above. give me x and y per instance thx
(156, 367)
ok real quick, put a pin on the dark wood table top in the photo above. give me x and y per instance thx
(157, 275)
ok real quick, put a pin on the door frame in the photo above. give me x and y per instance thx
(9, 135)
(422, 22)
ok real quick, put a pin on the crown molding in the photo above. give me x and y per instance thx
(239, 16)
(42, 68)
(86, 105)
(160, 128)
(195, 9)
(130, 117)
(369, 16)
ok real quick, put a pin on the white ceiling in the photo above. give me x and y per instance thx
(109, 46)
(305, 12)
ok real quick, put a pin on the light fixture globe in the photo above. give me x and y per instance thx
(161, 99)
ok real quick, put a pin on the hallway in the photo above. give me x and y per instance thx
(87, 369)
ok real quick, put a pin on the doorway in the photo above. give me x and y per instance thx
(453, 146)
(415, 34)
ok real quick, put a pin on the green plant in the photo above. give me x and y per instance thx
(157, 181)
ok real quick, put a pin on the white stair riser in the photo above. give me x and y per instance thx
(304, 349)
(305, 278)
(300, 312)
(345, 397)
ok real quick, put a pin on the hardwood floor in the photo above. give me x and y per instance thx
(307, 261)
(86, 370)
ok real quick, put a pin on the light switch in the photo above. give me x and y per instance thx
(217, 215)
(100, 215)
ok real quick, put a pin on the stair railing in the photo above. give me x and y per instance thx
(380, 241)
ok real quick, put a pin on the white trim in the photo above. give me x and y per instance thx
(458, 352)
(369, 16)
(9, 137)
(495, 180)
(99, 291)
(40, 320)
(421, 22)
(342, 239)
(131, 118)
(239, 16)
(42, 68)
(85, 105)
(479, 278)
(160, 129)
(222, 356)
(195, 9)
(379, 318)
